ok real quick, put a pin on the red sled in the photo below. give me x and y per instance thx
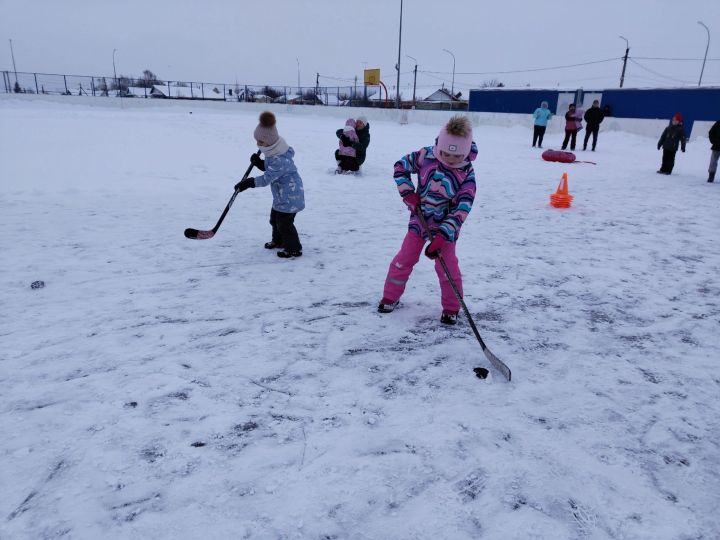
(562, 157)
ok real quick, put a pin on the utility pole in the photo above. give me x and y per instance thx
(13, 59)
(298, 63)
(627, 51)
(397, 96)
(117, 86)
(414, 78)
(706, 51)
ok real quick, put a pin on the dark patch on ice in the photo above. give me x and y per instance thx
(689, 258)
(470, 487)
(25, 504)
(677, 460)
(140, 506)
(519, 502)
(201, 383)
(152, 453)
(130, 405)
(179, 395)
(353, 304)
(649, 376)
(228, 331)
(198, 444)
(240, 429)
(596, 317)
(493, 316)
(186, 366)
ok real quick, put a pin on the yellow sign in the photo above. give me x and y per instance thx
(372, 77)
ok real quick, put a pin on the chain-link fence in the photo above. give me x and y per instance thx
(88, 85)
(121, 86)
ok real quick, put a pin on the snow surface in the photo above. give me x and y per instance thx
(158, 387)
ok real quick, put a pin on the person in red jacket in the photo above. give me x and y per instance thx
(573, 123)
(672, 137)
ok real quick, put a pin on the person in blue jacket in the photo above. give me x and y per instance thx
(285, 183)
(542, 116)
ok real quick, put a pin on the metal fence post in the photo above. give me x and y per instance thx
(37, 90)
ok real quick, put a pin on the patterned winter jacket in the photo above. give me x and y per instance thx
(446, 194)
(285, 182)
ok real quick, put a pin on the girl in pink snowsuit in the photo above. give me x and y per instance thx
(445, 195)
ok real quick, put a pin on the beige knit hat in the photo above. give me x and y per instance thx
(266, 130)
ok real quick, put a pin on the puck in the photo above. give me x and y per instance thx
(37, 284)
(481, 372)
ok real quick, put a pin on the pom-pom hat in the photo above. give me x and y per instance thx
(455, 137)
(266, 130)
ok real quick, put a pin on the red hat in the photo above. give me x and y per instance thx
(677, 117)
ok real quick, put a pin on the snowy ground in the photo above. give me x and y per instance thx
(159, 387)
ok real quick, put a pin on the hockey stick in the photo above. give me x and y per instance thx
(494, 360)
(194, 234)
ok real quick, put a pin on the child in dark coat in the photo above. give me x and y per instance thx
(672, 137)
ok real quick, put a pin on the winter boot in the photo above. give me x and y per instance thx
(272, 245)
(711, 176)
(285, 254)
(449, 317)
(386, 306)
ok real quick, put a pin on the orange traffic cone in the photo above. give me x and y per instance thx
(561, 198)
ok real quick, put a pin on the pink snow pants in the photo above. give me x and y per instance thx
(402, 266)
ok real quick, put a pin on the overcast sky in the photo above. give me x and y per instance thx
(257, 42)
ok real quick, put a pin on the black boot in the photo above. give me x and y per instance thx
(285, 254)
(711, 176)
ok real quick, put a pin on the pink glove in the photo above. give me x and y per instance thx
(412, 200)
(435, 247)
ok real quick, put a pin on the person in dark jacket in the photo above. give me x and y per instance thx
(672, 137)
(714, 135)
(362, 128)
(593, 118)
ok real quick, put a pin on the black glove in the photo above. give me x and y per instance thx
(244, 184)
(259, 163)
(346, 140)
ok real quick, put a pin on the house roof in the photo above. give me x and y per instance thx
(441, 94)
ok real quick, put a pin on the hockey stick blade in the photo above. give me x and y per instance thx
(498, 364)
(194, 234)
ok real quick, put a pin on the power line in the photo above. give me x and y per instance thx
(659, 74)
(674, 59)
(525, 70)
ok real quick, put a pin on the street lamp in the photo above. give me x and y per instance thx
(627, 51)
(414, 78)
(117, 87)
(706, 50)
(12, 53)
(298, 63)
(452, 89)
(397, 96)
